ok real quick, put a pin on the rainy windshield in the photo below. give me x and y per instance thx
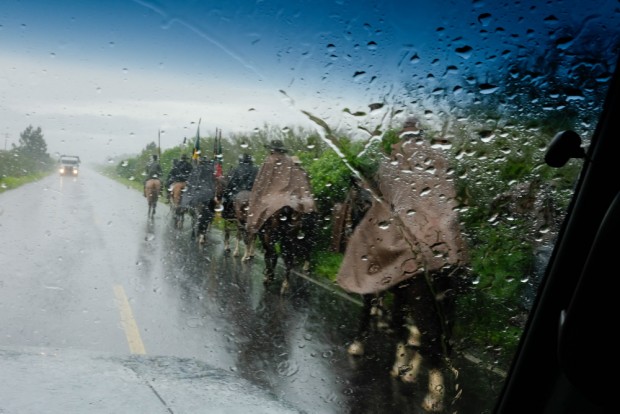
(329, 206)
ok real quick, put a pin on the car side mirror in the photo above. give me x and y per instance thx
(564, 146)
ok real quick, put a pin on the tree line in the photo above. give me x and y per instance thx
(25, 161)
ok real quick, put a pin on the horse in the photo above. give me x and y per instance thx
(409, 246)
(288, 233)
(202, 214)
(176, 195)
(151, 192)
(421, 317)
(200, 200)
(235, 190)
(282, 213)
(239, 205)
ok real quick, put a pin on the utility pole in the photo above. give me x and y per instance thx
(6, 138)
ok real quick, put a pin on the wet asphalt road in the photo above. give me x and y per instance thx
(83, 269)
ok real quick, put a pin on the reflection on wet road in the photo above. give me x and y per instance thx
(292, 345)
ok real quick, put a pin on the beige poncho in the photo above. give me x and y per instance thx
(280, 182)
(414, 226)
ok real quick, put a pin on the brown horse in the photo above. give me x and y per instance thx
(288, 233)
(345, 218)
(409, 245)
(234, 191)
(151, 192)
(176, 195)
(240, 210)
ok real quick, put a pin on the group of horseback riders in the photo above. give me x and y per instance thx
(201, 179)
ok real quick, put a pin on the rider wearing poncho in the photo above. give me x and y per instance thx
(280, 182)
(412, 226)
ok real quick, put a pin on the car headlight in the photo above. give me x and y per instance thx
(62, 170)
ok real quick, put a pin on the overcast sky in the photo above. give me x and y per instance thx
(102, 78)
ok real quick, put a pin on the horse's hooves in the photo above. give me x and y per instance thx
(356, 348)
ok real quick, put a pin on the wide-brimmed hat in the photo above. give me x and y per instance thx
(277, 145)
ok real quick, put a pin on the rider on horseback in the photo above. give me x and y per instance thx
(241, 178)
(153, 170)
(179, 172)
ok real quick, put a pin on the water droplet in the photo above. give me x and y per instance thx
(287, 368)
(487, 88)
(358, 75)
(464, 52)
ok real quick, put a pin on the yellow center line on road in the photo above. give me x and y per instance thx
(129, 323)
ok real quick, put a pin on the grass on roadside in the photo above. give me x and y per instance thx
(9, 183)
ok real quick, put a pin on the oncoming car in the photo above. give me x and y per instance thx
(69, 165)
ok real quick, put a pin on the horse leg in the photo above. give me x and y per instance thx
(202, 228)
(178, 224)
(271, 255)
(238, 239)
(226, 236)
(407, 359)
(422, 337)
(194, 217)
(291, 247)
(250, 241)
(356, 347)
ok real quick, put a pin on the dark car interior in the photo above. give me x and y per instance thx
(563, 364)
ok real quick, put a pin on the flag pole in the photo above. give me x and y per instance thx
(196, 153)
